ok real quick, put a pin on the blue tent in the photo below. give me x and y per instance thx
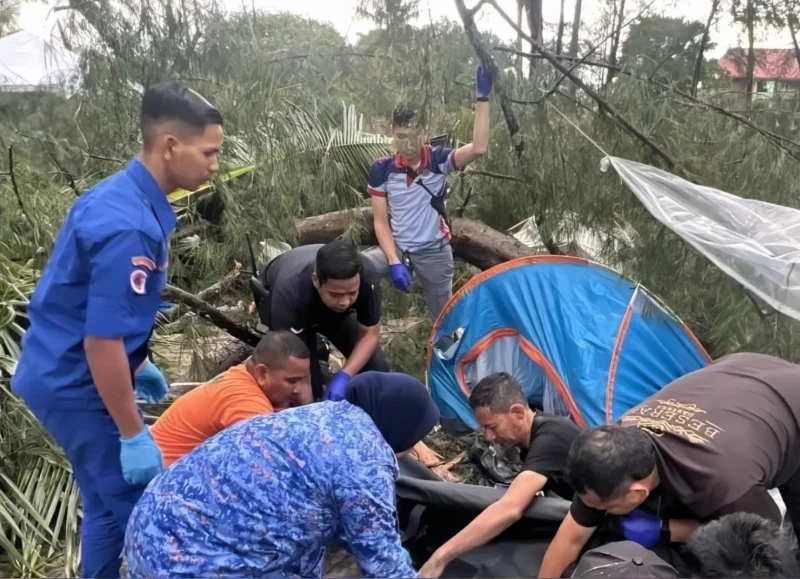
(582, 341)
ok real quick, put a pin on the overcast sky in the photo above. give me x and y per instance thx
(342, 14)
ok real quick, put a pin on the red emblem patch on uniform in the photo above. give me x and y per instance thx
(142, 261)
(138, 281)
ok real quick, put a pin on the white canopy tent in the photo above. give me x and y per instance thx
(29, 63)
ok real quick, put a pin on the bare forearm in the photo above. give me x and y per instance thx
(680, 529)
(565, 547)
(485, 527)
(557, 559)
(480, 132)
(363, 350)
(111, 373)
(465, 155)
(385, 239)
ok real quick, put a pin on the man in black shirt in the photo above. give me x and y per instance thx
(323, 289)
(711, 443)
(502, 410)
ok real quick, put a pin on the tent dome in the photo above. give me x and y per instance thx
(582, 341)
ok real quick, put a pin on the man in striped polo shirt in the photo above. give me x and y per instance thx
(408, 194)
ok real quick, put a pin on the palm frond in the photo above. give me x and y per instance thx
(39, 511)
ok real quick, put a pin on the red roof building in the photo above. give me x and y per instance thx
(775, 68)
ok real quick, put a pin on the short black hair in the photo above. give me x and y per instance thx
(741, 545)
(275, 347)
(606, 459)
(498, 392)
(171, 101)
(406, 115)
(337, 260)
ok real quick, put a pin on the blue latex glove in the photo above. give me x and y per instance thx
(483, 80)
(641, 527)
(337, 387)
(401, 277)
(151, 386)
(140, 457)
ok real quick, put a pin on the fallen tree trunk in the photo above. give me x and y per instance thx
(473, 242)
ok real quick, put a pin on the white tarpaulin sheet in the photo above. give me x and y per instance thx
(756, 243)
(29, 63)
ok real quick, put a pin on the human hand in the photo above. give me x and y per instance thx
(641, 527)
(433, 568)
(140, 458)
(337, 387)
(483, 81)
(151, 385)
(401, 277)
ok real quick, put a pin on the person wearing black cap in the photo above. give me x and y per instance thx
(411, 187)
(264, 497)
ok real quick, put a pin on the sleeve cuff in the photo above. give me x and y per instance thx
(376, 192)
(453, 160)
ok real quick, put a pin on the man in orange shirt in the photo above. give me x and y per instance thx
(275, 377)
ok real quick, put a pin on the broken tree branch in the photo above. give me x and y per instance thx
(488, 60)
(601, 102)
(494, 176)
(206, 310)
(778, 141)
(554, 89)
(562, 57)
(207, 294)
(474, 10)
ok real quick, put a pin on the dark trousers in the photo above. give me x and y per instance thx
(91, 443)
(790, 492)
(343, 334)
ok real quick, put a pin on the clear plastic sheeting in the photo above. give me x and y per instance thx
(756, 243)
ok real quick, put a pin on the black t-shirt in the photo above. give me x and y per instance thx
(723, 435)
(551, 437)
(295, 302)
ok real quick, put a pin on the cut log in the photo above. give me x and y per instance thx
(473, 242)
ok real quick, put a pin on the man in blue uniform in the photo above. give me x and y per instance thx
(93, 311)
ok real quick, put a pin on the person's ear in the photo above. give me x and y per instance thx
(518, 411)
(170, 144)
(641, 490)
(262, 375)
(315, 280)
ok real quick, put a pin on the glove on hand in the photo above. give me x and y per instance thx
(641, 527)
(483, 81)
(337, 387)
(151, 386)
(140, 457)
(401, 277)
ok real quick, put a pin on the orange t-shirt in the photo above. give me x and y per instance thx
(211, 407)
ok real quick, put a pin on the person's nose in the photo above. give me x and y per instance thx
(214, 167)
(488, 435)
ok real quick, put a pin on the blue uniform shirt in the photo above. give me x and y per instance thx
(104, 279)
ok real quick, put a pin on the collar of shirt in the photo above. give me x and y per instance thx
(153, 193)
(424, 159)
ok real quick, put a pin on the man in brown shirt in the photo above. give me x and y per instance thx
(712, 442)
